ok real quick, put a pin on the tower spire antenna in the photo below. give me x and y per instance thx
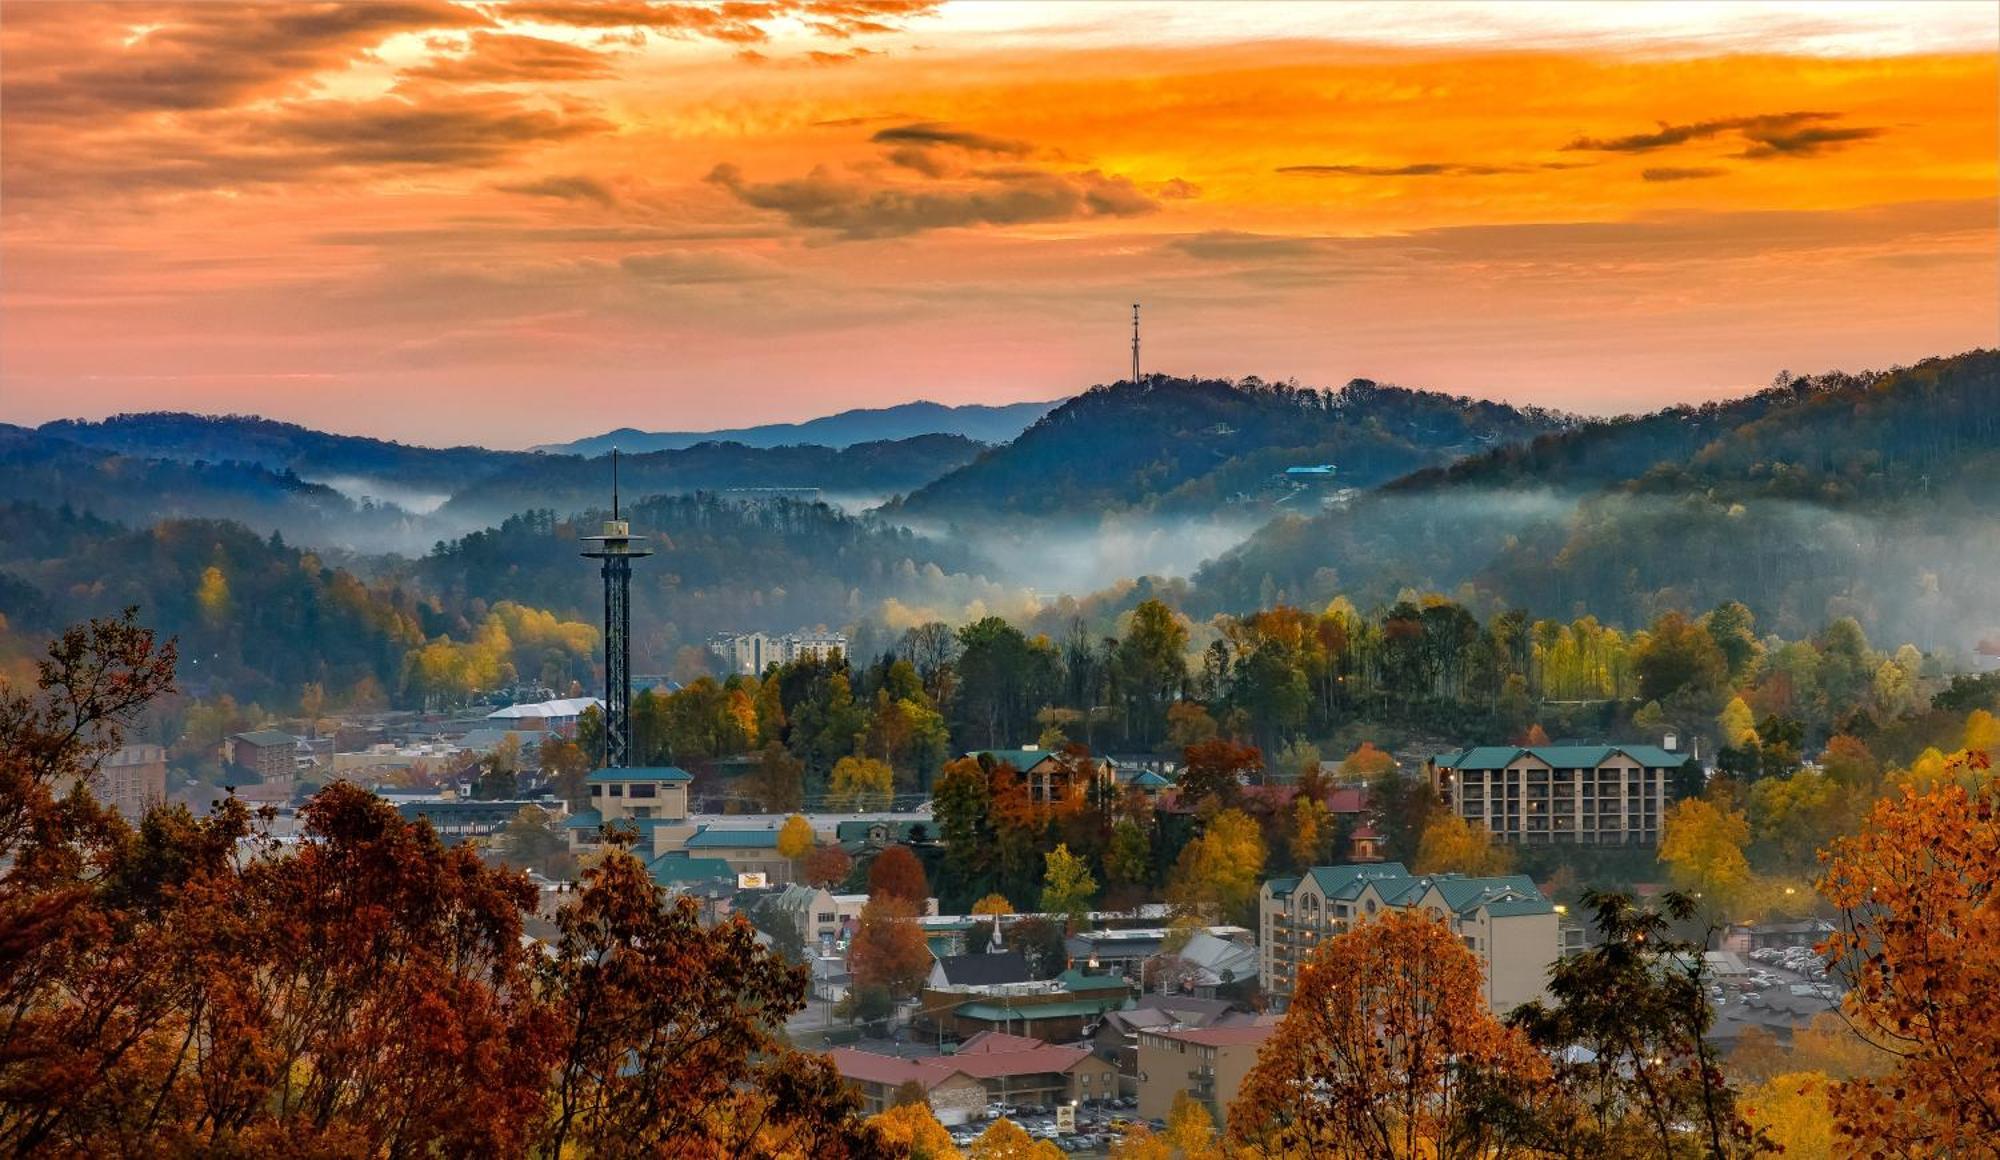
(614, 483)
(1135, 344)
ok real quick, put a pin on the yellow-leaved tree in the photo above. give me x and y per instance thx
(1792, 1109)
(1006, 1141)
(1702, 846)
(795, 838)
(1737, 723)
(1452, 844)
(1067, 885)
(212, 596)
(912, 1129)
(1191, 1130)
(860, 783)
(1222, 869)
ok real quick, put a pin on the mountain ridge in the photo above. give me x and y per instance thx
(1178, 445)
(1840, 494)
(983, 422)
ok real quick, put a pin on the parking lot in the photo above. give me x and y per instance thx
(1098, 1124)
(1797, 970)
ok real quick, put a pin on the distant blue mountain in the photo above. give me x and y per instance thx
(987, 424)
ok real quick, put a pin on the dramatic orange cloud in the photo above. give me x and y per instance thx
(513, 222)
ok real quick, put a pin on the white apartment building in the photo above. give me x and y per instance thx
(750, 653)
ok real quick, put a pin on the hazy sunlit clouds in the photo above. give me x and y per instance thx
(426, 219)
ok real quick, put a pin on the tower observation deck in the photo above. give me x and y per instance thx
(616, 547)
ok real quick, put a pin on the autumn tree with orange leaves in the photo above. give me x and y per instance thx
(827, 865)
(1387, 1050)
(184, 988)
(896, 873)
(669, 1041)
(889, 950)
(1919, 894)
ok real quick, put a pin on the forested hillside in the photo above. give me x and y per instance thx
(568, 483)
(1862, 495)
(255, 617)
(42, 469)
(982, 423)
(283, 447)
(775, 565)
(1191, 445)
(259, 618)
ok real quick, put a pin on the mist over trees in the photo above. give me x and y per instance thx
(1186, 445)
(1840, 495)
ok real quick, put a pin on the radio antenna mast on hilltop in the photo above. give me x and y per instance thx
(1135, 344)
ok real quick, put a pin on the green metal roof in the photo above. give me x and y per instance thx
(1147, 779)
(1075, 980)
(680, 868)
(941, 945)
(711, 839)
(583, 820)
(856, 830)
(1021, 759)
(1559, 756)
(997, 1013)
(637, 773)
(1460, 893)
(1346, 881)
(1502, 895)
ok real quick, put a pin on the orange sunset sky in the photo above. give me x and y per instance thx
(520, 222)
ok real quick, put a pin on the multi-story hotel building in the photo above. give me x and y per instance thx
(1591, 795)
(750, 653)
(1504, 921)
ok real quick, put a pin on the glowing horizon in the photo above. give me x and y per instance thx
(521, 223)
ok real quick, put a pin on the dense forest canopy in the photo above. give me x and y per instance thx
(263, 617)
(1864, 495)
(569, 482)
(136, 489)
(777, 565)
(281, 447)
(985, 423)
(1820, 499)
(1186, 445)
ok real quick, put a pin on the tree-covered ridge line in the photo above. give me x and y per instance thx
(723, 564)
(140, 489)
(1865, 496)
(280, 446)
(1187, 445)
(1833, 436)
(569, 482)
(265, 618)
(985, 423)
